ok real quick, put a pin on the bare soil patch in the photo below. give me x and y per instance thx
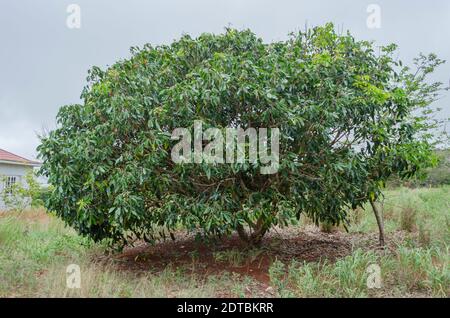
(232, 255)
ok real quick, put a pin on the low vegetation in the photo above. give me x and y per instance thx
(36, 248)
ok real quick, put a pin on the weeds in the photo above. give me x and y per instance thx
(35, 250)
(233, 257)
(408, 219)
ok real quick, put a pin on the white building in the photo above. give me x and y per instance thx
(13, 169)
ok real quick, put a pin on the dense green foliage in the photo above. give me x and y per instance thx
(347, 113)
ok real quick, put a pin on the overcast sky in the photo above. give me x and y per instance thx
(44, 63)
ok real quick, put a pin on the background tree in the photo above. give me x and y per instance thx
(346, 112)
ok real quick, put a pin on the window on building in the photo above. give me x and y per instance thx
(10, 182)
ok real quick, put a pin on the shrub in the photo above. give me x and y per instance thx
(20, 196)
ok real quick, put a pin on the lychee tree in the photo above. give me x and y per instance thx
(347, 112)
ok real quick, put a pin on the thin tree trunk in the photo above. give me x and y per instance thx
(255, 237)
(242, 234)
(380, 222)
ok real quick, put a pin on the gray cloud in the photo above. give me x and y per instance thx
(43, 64)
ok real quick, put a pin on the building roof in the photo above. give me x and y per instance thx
(8, 157)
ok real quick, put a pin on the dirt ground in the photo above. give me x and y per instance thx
(202, 259)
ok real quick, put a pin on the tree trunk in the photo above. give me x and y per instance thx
(380, 222)
(254, 238)
(242, 234)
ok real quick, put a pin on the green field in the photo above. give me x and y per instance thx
(35, 250)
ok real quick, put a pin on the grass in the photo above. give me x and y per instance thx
(412, 210)
(413, 272)
(345, 278)
(34, 256)
(35, 250)
(419, 265)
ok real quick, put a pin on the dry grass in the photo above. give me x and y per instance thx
(300, 261)
(408, 218)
